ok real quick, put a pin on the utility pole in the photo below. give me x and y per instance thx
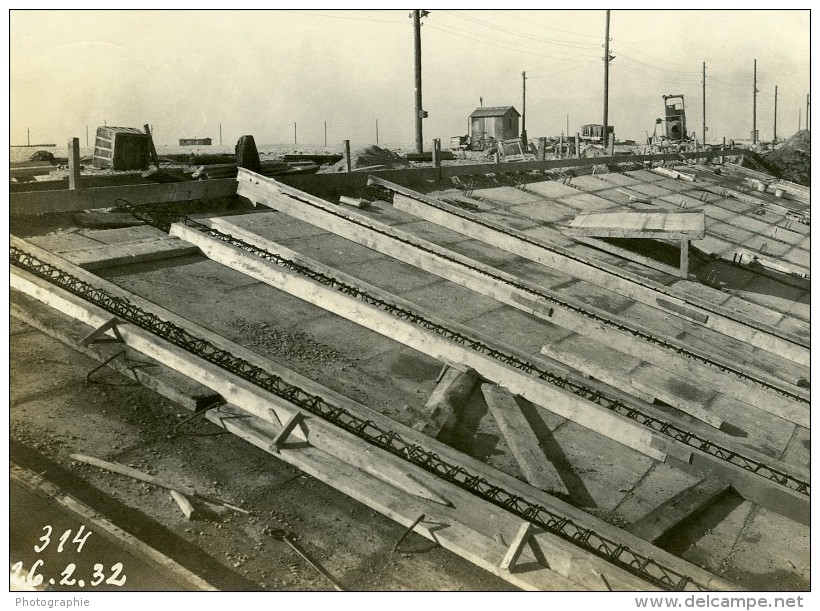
(775, 115)
(607, 59)
(524, 109)
(377, 131)
(754, 107)
(220, 134)
(808, 116)
(28, 136)
(325, 134)
(567, 132)
(704, 102)
(294, 132)
(420, 114)
(799, 118)
(86, 135)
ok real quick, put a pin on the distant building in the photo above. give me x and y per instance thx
(494, 123)
(195, 142)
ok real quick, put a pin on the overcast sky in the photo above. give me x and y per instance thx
(185, 72)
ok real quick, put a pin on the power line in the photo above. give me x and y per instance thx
(337, 16)
(545, 27)
(490, 25)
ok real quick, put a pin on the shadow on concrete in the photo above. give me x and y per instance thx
(577, 493)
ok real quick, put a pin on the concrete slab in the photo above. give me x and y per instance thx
(485, 253)
(667, 383)
(756, 312)
(674, 185)
(786, 563)
(275, 225)
(794, 238)
(801, 309)
(750, 223)
(432, 232)
(589, 183)
(752, 427)
(515, 328)
(618, 179)
(507, 195)
(597, 354)
(712, 245)
(734, 205)
(603, 470)
(330, 249)
(545, 211)
(651, 190)
(384, 212)
(64, 241)
(536, 273)
(708, 542)
(772, 294)
(798, 451)
(452, 302)
(681, 201)
(393, 275)
(770, 248)
(124, 234)
(596, 296)
(510, 218)
(732, 235)
(660, 483)
(645, 175)
(587, 202)
(798, 256)
(717, 212)
(551, 188)
(550, 235)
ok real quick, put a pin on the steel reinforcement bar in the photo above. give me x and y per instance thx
(585, 538)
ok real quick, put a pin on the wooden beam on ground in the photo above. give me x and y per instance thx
(600, 273)
(538, 391)
(183, 503)
(440, 413)
(510, 290)
(561, 551)
(684, 505)
(74, 200)
(523, 443)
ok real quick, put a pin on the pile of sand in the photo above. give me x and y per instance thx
(790, 161)
(369, 156)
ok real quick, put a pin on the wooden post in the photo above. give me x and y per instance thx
(73, 163)
(153, 149)
(577, 145)
(561, 147)
(684, 257)
(348, 167)
(542, 149)
(723, 151)
(437, 152)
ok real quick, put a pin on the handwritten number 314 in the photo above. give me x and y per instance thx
(79, 539)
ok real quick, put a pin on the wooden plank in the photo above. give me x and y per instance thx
(521, 439)
(683, 505)
(72, 200)
(600, 273)
(538, 391)
(183, 503)
(441, 411)
(516, 547)
(770, 495)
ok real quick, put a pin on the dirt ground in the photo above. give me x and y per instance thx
(55, 412)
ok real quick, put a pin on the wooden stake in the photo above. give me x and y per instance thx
(73, 163)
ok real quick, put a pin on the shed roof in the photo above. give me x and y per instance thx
(493, 111)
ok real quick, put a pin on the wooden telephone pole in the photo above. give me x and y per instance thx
(607, 59)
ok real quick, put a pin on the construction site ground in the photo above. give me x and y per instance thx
(55, 411)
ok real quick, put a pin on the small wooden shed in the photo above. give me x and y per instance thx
(122, 148)
(494, 122)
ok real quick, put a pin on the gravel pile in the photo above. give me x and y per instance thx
(295, 345)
